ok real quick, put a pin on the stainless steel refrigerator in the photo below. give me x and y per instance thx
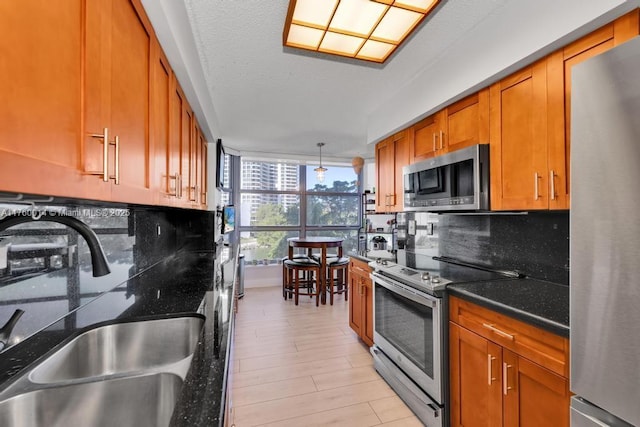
(605, 239)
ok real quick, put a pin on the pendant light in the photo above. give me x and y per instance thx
(320, 170)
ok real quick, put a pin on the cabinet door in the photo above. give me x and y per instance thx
(425, 138)
(179, 107)
(204, 187)
(355, 303)
(367, 312)
(385, 173)
(186, 160)
(476, 378)
(519, 177)
(467, 122)
(401, 159)
(559, 68)
(533, 395)
(163, 184)
(118, 63)
(40, 74)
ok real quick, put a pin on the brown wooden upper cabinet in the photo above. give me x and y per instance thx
(49, 144)
(461, 124)
(519, 163)
(103, 69)
(559, 67)
(118, 62)
(392, 154)
(41, 108)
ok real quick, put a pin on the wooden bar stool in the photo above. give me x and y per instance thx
(311, 274)
(338, 275)
(284, 272)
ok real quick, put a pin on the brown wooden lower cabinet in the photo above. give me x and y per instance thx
(361, 300)
(493, 385)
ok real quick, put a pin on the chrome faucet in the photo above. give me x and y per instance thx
(98, 259)
(5, 331)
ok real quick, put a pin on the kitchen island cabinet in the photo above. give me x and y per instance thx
(361, 300)
(504, 371)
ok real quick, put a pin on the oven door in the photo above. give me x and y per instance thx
(407, 328)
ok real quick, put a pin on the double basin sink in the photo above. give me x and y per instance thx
(123, 374)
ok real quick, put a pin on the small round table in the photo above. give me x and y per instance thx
(321, 243)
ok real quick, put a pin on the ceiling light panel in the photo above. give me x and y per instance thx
(357, 17)
(304, 37)
(396, 25)
(364, 29)
(422, 6)
(341, 44)
(316, 13)
(375, 51)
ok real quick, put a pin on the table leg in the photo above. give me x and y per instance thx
(323, 271)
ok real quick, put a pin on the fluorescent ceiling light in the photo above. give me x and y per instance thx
(364, 29)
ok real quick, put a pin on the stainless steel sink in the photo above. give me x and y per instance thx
(144, 400)
(122, 348)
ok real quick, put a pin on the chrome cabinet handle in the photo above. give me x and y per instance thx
(195, 193)
(536, 177)
(505, 378)
(105, 154)
(441, 140)
(498, 331)
(490, 377)
(553, 184)
(116, 176)
(176, 191)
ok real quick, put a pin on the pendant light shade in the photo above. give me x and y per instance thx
(320, 170)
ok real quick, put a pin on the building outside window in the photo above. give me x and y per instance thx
(283, 199)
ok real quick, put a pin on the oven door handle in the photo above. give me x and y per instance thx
(399, 288)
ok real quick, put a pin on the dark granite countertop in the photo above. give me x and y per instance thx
(540, 303)
(359, 255)
(184, 283)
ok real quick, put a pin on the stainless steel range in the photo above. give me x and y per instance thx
(410, 328)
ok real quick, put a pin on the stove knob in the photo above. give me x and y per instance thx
(425, 276)
(384, 262)
(435, 279)
(378, 260)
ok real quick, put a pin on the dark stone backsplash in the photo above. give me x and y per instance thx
(535, 243)
(49, 287)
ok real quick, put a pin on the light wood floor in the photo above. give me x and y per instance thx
(303, 366)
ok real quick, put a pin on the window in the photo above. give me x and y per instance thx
(282, 199)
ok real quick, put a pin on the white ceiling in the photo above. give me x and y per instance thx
(266, 100)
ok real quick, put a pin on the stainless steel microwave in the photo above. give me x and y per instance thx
(456, 181)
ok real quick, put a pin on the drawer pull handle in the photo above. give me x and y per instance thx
(490, 377)
(505, 376)
(104, 136)
(498, 331)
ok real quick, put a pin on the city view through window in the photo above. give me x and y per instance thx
(279, 200)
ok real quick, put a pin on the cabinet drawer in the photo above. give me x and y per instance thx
(545, 348)
(357, 266)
